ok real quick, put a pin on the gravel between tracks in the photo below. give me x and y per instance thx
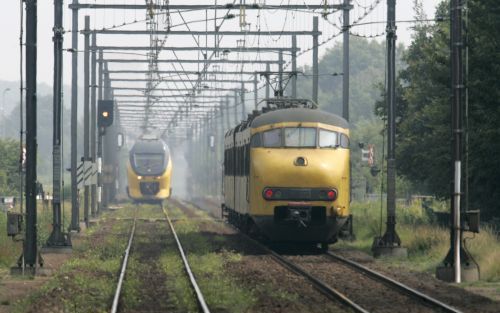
(146, 285)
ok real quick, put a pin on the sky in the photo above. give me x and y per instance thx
(10, 24)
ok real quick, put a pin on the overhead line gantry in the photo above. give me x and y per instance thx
(104, 70)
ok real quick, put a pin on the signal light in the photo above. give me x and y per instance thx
(105, 113)
(331, 194)
(268, 193)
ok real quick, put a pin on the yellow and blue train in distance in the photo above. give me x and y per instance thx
(149, 171)
(287, 174)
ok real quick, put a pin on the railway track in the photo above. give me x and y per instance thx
(392, 295)
(326, 289)
(123, 270)
(202, 306)
(430, 301)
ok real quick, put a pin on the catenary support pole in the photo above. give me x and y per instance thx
(281, 92)
(107, 94)
(457, 94)
(268, 87)
(99, 134)
(345, 63)
(228, 122)
(243, 106)
(86, 117)
(75, 208)
(57, 237)
(255, 92)
(390, 244)
(315, 66)
(235, 107)
(294, 66)
(30, 250)
(458, 264)
(93, 126)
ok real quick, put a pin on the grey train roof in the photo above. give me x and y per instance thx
(149, 146)
(299, 115)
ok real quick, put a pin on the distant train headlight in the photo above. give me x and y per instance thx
(157, 177)
(139, 177)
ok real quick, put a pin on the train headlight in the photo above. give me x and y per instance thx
(139, 177)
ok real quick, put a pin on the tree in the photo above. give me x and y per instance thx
(424, 128)
(9, 167)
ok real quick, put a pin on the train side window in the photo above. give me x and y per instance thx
(328, 139)
(344, 141)
(256, 141)
(247, 159)
(272, 138)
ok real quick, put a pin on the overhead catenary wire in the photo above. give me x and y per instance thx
(184, 19)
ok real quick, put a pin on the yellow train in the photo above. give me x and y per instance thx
(287, 174)
(149, 171)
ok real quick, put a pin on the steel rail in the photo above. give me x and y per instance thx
(199, 296)
(394, 284)
(123, 270)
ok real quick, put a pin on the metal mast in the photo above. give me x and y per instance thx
(457, 265)
(57, 237)
(75, 209)
(30, 243)
(345, 71)
(389, 243)
(86, 117)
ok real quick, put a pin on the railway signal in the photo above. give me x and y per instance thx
(105, 113)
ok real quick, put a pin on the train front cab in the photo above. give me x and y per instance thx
(152, 188)
(299, 181)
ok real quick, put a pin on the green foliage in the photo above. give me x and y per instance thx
(423, 98)
(367, 70)
(9, 167)
(44, 135)
(85, 283)
(427, 243)
(484, 92)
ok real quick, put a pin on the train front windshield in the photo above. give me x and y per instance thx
(300, 137)
(149, 163)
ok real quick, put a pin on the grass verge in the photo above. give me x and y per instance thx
(427, 243)
(86, 283)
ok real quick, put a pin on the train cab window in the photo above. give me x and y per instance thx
(148, 162)
(272, 138)
(256, 141)
(328, 139)
(344, 141)
(300, 137)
